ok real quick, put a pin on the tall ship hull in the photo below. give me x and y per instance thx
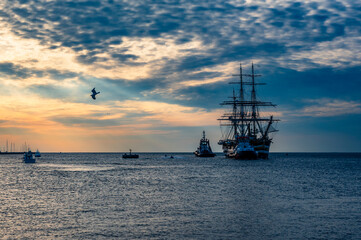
(246, 155)
(247, 133)
(204, 154)
(262, 148)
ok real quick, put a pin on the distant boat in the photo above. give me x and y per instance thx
(130, 155)
(28, 157)
(204, 149)
(37, 153)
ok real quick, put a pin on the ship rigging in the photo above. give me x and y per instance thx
(247, 134)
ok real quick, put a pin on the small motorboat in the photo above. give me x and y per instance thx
(28, 157)
(37, 153)
(130, 155)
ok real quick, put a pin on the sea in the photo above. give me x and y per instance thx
(180, 196)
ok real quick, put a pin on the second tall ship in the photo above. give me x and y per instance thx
(246, 134)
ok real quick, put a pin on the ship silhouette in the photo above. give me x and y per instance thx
(246, 133)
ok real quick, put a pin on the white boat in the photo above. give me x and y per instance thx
(37, 153)
(244, 150)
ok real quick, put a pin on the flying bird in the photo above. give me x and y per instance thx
(94, 93)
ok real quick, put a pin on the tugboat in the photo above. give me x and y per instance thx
(28, 157)
(130, 155)
(246, 134)
(204, 149)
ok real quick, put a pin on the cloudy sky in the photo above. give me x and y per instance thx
(162, 68)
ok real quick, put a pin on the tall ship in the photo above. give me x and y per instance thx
(246, 132)
(204, 149)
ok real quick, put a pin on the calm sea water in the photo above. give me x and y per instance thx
(96, 196)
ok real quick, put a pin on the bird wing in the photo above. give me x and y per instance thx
(93, 91)
(93, 96)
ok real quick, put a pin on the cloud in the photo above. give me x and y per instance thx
(11, 70)
(163, 64)
(18, 72)
(330, 108)
(171, 114)
(86, 122)
(14, 131)
(173, 43)
(264, 26)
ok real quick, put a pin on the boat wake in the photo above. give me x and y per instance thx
(75, 167)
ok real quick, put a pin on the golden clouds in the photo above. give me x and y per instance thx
(152, 51)
(149, 54)
(30, 53)
(54, 120)
(173, 114)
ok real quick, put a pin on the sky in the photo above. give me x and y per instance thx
(163, 68)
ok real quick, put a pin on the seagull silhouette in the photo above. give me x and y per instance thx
(94, 93)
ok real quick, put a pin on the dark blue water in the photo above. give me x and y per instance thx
(95, 196)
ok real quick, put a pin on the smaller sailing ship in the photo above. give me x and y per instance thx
(130, 155)
(28, 157)
(204, 149)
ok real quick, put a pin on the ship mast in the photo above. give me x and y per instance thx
(253, 99)
(234, 117)
(245, 119)
(241, 94)
(249, 124)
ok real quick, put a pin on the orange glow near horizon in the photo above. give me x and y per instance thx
(38, 122)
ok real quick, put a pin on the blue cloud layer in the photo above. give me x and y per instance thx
(95, 25)
(238, 32)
